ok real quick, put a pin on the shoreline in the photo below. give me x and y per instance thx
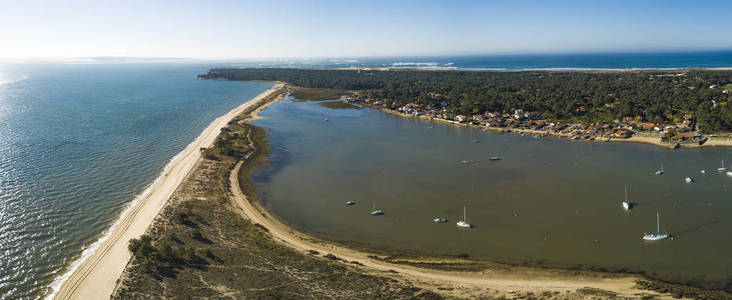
(521, 279)
(655, 141)
(528, 279)
(504, 281)
(95, 276)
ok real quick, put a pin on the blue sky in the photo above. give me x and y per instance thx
(266, 29)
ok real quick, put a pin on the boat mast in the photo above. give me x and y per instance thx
(464, 218)
(658, 223)
(626, 193)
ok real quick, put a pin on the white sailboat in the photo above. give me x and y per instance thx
(350, 202)
(660, 172)
(626, 204)
(722, 169)
(688, 180)
(376, 212)
(656, 236)
(464, 223)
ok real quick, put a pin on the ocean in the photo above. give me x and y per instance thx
(80, 142)
(617, 61)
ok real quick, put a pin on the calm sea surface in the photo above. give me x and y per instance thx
(78, 143)
(547, 199)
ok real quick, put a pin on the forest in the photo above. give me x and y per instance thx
(660, 97)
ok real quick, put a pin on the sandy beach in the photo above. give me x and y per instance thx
(96, 276)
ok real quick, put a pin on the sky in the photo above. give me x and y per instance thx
(272, 29)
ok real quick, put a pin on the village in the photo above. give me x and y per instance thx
(685, 132)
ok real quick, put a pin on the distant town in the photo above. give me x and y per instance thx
(685, 131)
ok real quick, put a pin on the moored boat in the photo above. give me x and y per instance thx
(626, 204)
(376, 212)
(656, 236)
(464, 223)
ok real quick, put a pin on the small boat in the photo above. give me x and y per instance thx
(689, 180)
(350, 202)
(660, 172)
(729, 173)
(325, 119)
(494, 158)
(722, 169)
(656, 236)
(703, 171)
(464, 223)
(476, 141)
(626, 204)
(439, 220)
(376, 212)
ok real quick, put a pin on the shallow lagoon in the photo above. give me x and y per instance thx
(549, 199)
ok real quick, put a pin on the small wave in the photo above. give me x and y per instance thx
(6, 79)
(415, 64)
(88, 251)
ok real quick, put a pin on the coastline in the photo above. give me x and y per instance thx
(492, 281)
(525, 280)
(655, 141)
(95, 276)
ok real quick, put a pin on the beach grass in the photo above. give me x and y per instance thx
(317, 94)
(338, 105)
(199, 247)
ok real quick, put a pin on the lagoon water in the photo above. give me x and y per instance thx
(78, 143)
(550, 199)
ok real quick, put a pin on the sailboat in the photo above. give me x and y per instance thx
(376, 212)
(656, 236)
(660, 172)
(722, 169)
(464, 223)
(626, 204)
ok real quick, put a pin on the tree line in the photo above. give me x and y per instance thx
(589, 97)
